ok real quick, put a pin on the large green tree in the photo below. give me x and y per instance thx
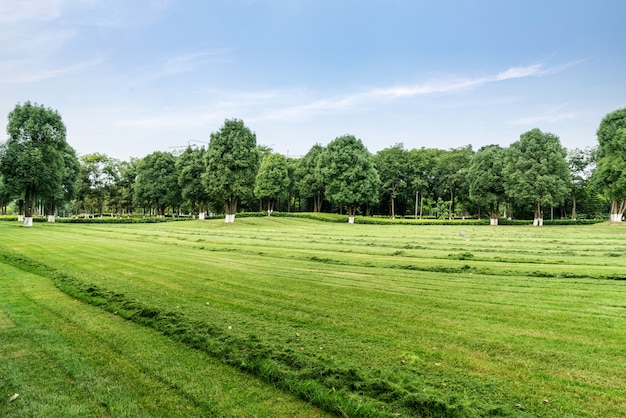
(349, 175)
(536, 171)
(157, 182)
(486, 182)
(309, 179)
(232, 161)
(611, 165)
(32, 159)
(272, 180)
(191, 167)
(393, 168)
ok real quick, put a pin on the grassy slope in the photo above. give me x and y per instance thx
(446, 320)
(65, 358)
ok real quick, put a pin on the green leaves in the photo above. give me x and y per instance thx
(536, 170)
(232, 161)
(486, 184)
(272, 179)
(348, 173)
(611, 170)
(36, 161)
(157, 181)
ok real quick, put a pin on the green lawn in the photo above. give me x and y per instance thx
(360, 320)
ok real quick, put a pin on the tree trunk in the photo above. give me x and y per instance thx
(29, 201)
(52, 212)
(617, 210)
(573, 206)
(20, 211)
(270, 207)
(421, 204)
(493, 215)
(393, 208)
(351, 211)
(230, 209)
(538, 221)
(451, 214)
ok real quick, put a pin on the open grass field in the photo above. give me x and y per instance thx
(294, 317)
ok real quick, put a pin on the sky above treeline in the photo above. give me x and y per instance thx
(133, 77)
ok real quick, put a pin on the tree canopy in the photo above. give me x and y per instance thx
(191, 167)
(310, 184)
(272, 180)
(232, 162)
(349, 174)
(33, 158)
(393, 168)
(486, 185)
(536, 171)
(611, 165)
(157, 181)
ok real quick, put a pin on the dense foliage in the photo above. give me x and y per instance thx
(232, 162)
(234, 173)
(36, 162)
(611, 172)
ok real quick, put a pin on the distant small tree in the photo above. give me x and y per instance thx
(272, 180)
(486, 182)
(349, 174)
(422, 175)
(191, 166)
(611, 164)
(232, 162)
(308, 177)
(536, 171)
(392, 165)
(98, 175)
(157, 181)
(580, 163)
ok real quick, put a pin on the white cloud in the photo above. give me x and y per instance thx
(22, 72)
(29, 10)
(548, 116)
(375, 95)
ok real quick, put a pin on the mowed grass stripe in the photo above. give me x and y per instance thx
(65, 358)
(376, 317)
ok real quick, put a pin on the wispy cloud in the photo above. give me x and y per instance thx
(551, 115)
(431, 87)
(31, 10)
(189, 62)
(21, 72)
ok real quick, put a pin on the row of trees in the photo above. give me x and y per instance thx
(40, 171)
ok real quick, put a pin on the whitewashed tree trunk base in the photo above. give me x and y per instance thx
(51, 218)
(616, 217)
(538, 222)
(201, 215)
(28, 222)
(493, 221)
(20, 218)
(229, 219)
(350, 219)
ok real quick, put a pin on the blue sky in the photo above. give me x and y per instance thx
(130, 77)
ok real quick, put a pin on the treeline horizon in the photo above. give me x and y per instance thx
(520, 181)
